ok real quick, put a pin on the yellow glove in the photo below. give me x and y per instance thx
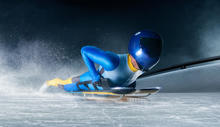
(58, 81)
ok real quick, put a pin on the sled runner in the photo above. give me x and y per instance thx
(119, 92)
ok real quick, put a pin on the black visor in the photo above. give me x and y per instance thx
(151, 46)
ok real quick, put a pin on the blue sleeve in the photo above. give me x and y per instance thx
(91, 55)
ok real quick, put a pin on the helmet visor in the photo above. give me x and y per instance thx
(148, 54)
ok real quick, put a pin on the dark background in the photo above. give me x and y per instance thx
(190, 29)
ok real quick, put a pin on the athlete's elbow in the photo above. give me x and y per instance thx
(86, 49)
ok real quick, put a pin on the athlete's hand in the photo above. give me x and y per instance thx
(97, 79)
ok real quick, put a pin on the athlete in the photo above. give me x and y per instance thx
(115, 70)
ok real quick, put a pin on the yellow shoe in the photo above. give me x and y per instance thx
(58, 81)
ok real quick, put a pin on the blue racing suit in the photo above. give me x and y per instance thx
(115, 67)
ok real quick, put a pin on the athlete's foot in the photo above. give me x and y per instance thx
(54, 82)
(58, 81)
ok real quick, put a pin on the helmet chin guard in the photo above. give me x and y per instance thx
(145, 46)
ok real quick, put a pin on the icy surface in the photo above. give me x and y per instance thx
(61, 110)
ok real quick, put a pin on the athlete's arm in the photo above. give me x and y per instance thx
(92, 55)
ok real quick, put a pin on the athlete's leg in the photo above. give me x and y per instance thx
(72, 84)
(82, 78)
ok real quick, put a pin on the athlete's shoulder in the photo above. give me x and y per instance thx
(123, 55)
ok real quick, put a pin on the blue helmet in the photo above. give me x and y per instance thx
(145, 46)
